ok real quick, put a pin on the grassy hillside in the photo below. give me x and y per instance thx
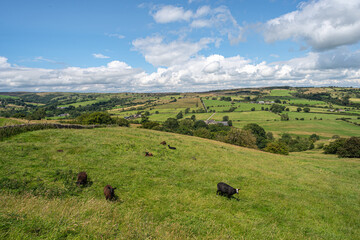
(171, 195)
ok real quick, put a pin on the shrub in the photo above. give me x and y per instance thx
(200, 124)
(314, 137)
(122, 122)
(96, 118)
(276, 108)
(350, 149)
(150, 125)
(333, 147)
(225, 118)
(270, 136)
(306, 109)
(242, 138)
(179, 115)
(202, 132)
(253, 109)
(284, 117)
(277, 147)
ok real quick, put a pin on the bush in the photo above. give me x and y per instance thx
(179, 115)
(350, 149)
(122, 122)
(314, 137)
(96, 118)
(200, 124)
(284, 117)
(277, 147)
(333, 147)
(149, 125)
(306, 109)
(270, 136)
(242, 138)
(202, 132)
(225, 118)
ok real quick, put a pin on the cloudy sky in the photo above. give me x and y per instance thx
(189, 45)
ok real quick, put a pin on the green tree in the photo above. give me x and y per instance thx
(276, 108)
(171, 124)
(350, 149)
(306, 109)
(242, 138)
(284, 117)
(225, 118)
(298, 109)
(179, 115)
(202, 132)
(258, 132)
(200, 124)
(277, 147)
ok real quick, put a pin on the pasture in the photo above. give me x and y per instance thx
(173, 194)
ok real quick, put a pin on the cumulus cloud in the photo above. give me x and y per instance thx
(199, 73)
(3, 62)
(167, 14)
(99, 55)
(219, 18)
(159, 53)
(323, 24)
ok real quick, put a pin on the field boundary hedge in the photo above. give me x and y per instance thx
(11, 130)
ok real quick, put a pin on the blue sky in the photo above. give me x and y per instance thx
(194, 45)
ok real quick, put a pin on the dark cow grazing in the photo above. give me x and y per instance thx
(60, 150)
(82, 178)
(148, 154)
(163, 143)
(109, 192)
(225, 189)
(171, 147)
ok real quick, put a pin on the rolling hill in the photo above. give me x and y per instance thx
(171, 195)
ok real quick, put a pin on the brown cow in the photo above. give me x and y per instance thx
(109, 192)
(163, 143)
(148, 154)
(82, 178)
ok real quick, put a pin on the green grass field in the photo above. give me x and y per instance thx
(7, 121)
(280, 92)
(305, 195)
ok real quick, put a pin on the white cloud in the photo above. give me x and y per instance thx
(4, 63)
(323, 24)
(167, 14)
(219, 18)
(99, 55)
(119, 36)
(198, 73)
(159, 53)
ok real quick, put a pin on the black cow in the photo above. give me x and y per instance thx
(171, 147)
(225, 189)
